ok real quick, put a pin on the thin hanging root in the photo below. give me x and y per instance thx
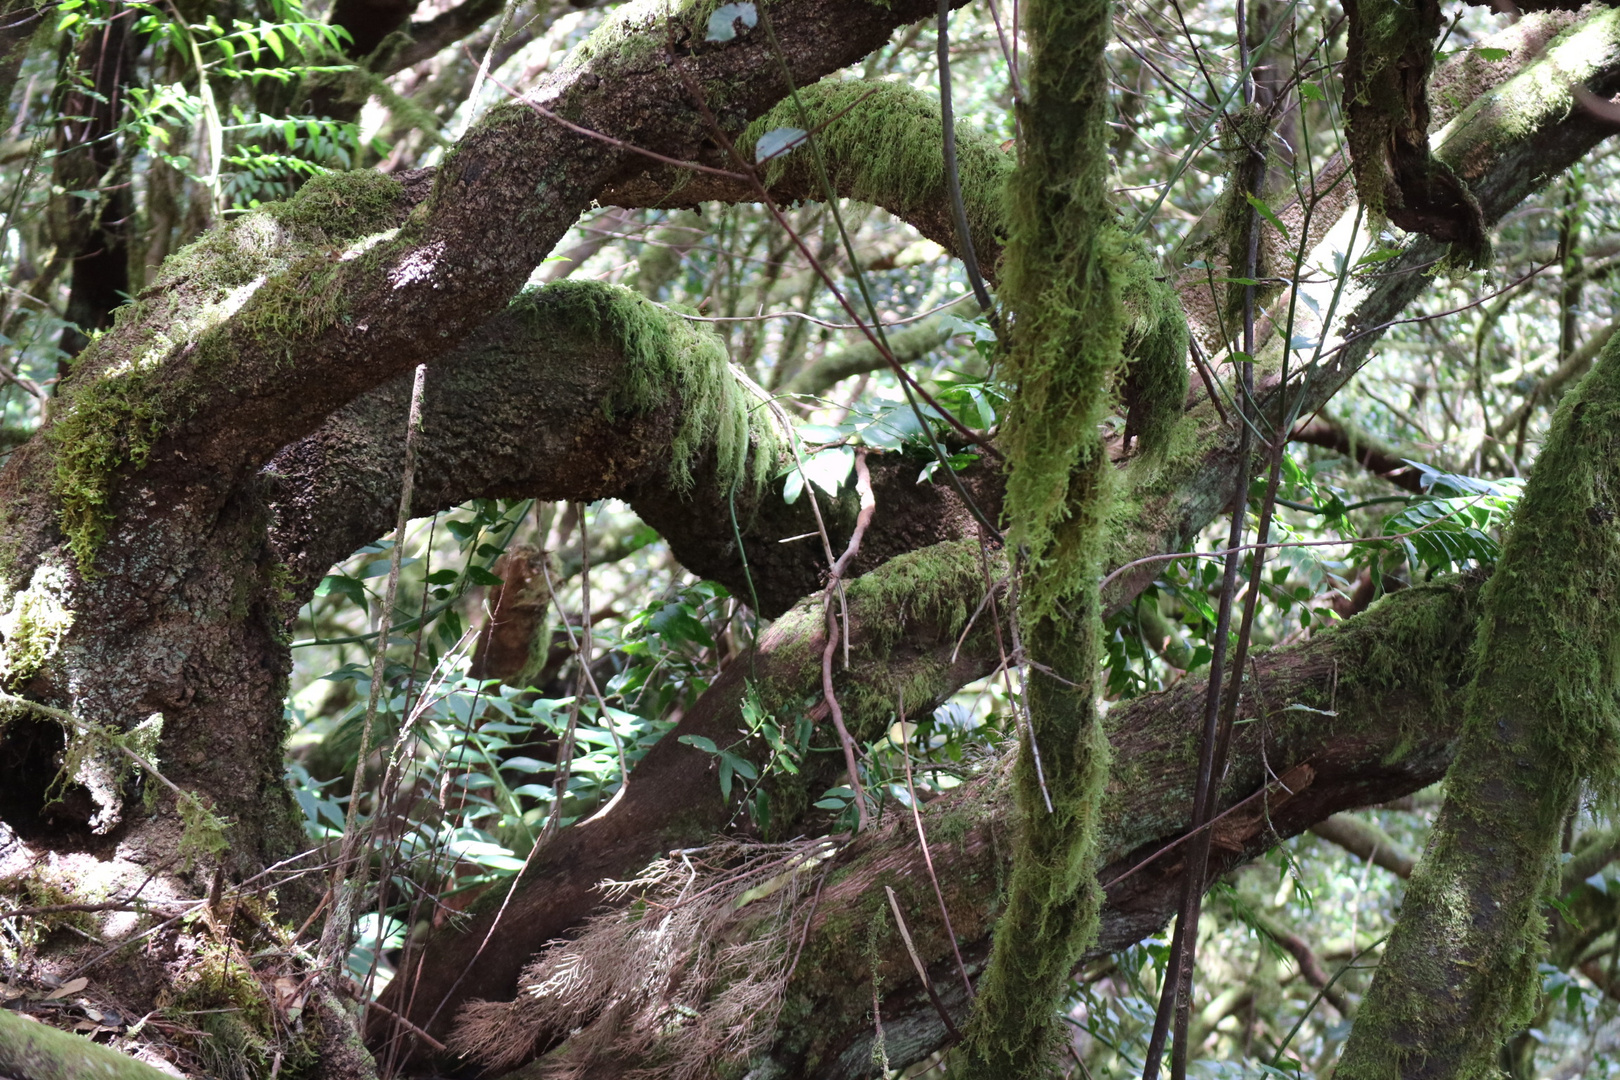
(863, 484)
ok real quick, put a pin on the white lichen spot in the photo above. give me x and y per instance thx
(417, 265)
(33, 624)
(366, 243)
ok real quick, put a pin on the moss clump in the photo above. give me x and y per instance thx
(665, 355)
(342, 205)
(884, 148)
(221, 998)
(33, 624)
(1062, 282)
(1541, 717)
(103, 425)
(1156, 354)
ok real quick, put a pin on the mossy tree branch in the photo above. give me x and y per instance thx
(1389, 677)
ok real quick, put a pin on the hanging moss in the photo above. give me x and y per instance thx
(884, 148)
(1062, 282)
(1541, 717)
(1156, 343)
(666, 354)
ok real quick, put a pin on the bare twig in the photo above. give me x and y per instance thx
(916, 962)
(922, 839)
(334, 937)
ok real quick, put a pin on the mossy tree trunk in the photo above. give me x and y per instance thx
(211, 456)
(1541, 717)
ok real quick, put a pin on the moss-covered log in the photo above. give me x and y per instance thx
(33, 1051)
(1541, 716)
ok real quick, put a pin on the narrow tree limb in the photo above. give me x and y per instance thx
(1367, 842)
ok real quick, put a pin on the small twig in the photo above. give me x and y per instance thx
(916, 962)
(1267, 789)
(438, 1046)
(953, 180)
(863, 484)
(807, 318)
(922, 839)
(334, 937)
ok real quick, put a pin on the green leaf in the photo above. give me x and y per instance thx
(1265, 211)
(479, 576)
(700, 742)
(792, 486)
(1311, 92)
(675, 623)
(722, 24)
(343, 585)
(1493, 55)
(829, 468)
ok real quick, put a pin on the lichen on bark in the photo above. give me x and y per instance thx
(119, 399)
(1541, 717)
(1061, 283)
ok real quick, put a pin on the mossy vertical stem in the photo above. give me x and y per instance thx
(1064, 268)
(1541, 715)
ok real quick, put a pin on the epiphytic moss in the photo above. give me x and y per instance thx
(1061, 282)
(1156, 354)
(274, 266)
(666, 355)
(881, 144)
(1541, 719)
(33, 623)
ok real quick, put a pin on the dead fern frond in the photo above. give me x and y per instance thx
(685, 977)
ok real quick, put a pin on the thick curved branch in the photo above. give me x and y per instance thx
(909, 627)
(525, 409)
(880, 143)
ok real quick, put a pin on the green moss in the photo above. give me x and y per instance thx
(102, 425)
(666, 355)
(342, 205)
(1541, 719)
(272, 269)
(33, 624)
(1062, 283)
(1155, 347)
(1387, 66)
(884, 148)
(221, 999)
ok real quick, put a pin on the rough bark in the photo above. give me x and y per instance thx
(136, 501)
(907, 631)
